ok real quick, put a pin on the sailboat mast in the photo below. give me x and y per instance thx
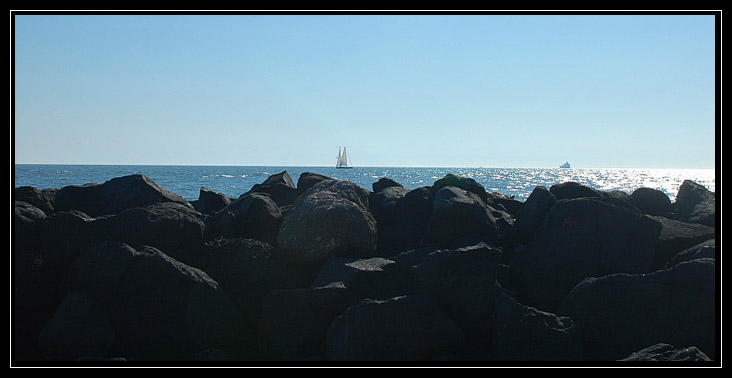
(338, 162)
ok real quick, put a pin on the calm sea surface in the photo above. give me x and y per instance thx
(233, 181)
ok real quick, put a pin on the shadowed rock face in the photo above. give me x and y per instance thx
(524, 333)
(347, 274)
(696, 204)
(581, 238)
(114, 196)
(159, 308)
(407, 328)
(652, 201)
(666, 352)
(623, 313)
(331, 218)
(459, 213)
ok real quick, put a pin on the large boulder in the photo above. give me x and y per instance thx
(210, 201)
(26, 222)
(581, 238)
(573, 190)
(459, 213)
(330, 219)
(407, 328)
(465, 183)
(696, 204)
(79, 328)
(115, 195)
(465, 283)
(294, 322)
(622, 313)
(160, 308)
(171, 227)
(279, 186)
(376, 278)
(705, 249)
(383, 183)
(666, 352)
(308, 179)
(246, 271)
(533, 211)
(523, 333)
(383, 203)
(652, 201)
(33, 291)
(253, 215)
(408, 221)
(42, 199)
(677, 236)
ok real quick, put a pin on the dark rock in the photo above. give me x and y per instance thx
(652, 201)
(464, 282)
(666, 352)
(330, 219)
(253, 215)
(175, 229)
(247, 270)
(214, 355)
(66, 235)
(623, 313)
(308, 179)
(415, 207)
(620, 198)
(524, 333)
(677, 236)
(408, 223)
(508, 203)
(407, 328)
(578, 239)
(533, 211)
(295, 322)
(696, 204)
(458, 213)
(26, 223)
(115, 195)
(465, 183)
(383, 203)
(706, 249)
(160, 308)
(375, 278)
(573, 190)
(42, 199)
(279, 186)
(210, 201)
(79, 328)
(383, 183)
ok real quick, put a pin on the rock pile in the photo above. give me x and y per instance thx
(324, 270)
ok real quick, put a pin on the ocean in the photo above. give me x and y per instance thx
(236, 180)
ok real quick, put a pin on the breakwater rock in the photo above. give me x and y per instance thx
(324, 270)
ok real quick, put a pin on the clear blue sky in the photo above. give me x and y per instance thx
(397, 90)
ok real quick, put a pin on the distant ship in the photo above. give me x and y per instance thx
(565, 165)
(342, 161)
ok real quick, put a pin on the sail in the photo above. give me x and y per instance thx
(342, 161)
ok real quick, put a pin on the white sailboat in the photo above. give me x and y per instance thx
(342, 161)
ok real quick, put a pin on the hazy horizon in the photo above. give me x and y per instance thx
(493, 91)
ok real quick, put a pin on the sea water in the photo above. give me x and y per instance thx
(236, 180)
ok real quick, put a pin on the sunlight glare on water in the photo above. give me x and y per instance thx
(236, 180)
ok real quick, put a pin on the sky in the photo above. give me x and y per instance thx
(436, 90)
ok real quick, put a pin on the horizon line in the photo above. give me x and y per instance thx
(355, 166)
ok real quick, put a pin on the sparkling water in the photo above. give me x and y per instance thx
(236, 180)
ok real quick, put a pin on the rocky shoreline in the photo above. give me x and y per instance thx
(324, 270)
